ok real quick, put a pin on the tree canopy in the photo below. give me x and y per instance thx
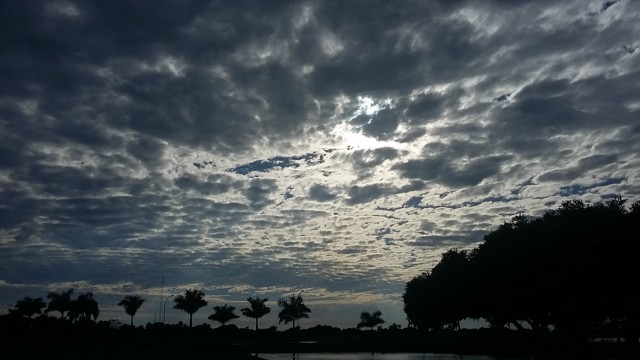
(190, 302)
(28, 307)
(223, 314)
(370, 320)
(572, 268)
(59, 302)
(131, 304)
(257, 310)
(84, 308)
(293, 309)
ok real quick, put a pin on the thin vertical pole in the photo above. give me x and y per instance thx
(161, 294)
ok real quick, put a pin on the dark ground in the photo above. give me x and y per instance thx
(51, 339)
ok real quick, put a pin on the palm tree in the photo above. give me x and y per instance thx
(28, 307)
(131, 304)
(59, 302)
(257, 310)
(85, 307)
(370, 320)
(223, 314)
(292, 310)
(190, 302)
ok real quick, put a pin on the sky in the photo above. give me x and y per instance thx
(263, 148)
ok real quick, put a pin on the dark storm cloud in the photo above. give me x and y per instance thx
(258, 192)
(146, 149)
(18, 208)
(377, 72)
(412, 135)
(582, 168)
(320, 192)
(62, 180)
(440, 171)
(189, 110)
(428, 107)
(441, 163)
(381, 126)
(146, 73)
(364, 194)
(212, 185)
(84, 133)
(550, 108)
(54, 50)
(367, 159)
(393, 38)
(578, 189)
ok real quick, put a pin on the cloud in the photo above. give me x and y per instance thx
(320, 192)
(367, 193)
(259, 191)
(367, 159)
(442, 170)
(582, 168)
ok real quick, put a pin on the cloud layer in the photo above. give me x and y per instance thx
(261, 148)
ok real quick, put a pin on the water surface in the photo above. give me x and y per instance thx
(380, 356)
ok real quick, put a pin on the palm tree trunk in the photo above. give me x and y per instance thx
(190, 320)
(256, 324)
(131, 320)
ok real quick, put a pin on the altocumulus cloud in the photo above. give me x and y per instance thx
(261, 148)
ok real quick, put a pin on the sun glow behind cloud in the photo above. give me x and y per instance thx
(351, 136)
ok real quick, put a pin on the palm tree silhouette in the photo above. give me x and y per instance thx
(223, 314)
(59, 302)
(85, 307)
(257, 310)
(28, 307)
(131, 304)
(370, 320)
(292, 310)
(190, 302)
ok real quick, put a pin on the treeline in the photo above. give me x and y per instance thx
(570, 271)
(85, 308)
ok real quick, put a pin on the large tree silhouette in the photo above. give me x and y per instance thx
(257, 310)
(59, 302)
(131, 304)
(84, 308)
(435, 300)
(370, 320)
(570, 269)
(27, 307)
(293, 309)
(190, 302)
(223, 314)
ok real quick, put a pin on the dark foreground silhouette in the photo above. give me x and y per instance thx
(572, 271)
(54, 338)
